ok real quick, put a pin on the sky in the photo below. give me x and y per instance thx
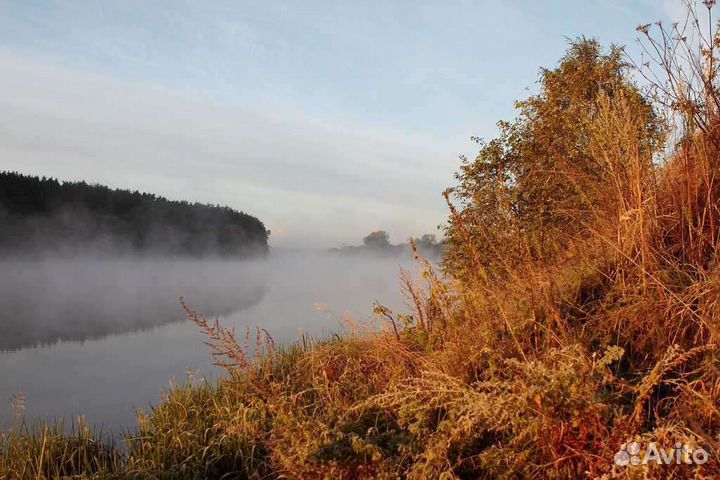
(325, 119)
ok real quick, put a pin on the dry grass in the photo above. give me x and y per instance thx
(525, 368)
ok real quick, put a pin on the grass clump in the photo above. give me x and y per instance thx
(44, 451)
(576, 313)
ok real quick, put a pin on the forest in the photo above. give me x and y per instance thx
(46, 216)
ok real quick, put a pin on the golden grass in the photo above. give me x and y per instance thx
(528, 368)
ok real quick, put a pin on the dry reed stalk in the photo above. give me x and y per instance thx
(670, 361)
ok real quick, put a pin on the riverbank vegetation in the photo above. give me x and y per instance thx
(576, 311)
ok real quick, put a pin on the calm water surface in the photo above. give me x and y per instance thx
(101, 338)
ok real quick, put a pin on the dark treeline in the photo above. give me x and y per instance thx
(43, 215)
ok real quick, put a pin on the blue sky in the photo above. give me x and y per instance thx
(325, 119)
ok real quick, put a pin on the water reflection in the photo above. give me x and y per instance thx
(108, 377)
(45, 302)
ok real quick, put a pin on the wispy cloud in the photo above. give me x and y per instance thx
(325, 119)
(312, 181)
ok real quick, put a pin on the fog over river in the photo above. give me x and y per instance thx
(101, 338)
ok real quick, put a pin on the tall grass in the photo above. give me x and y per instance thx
(542, 371)
(44, 451)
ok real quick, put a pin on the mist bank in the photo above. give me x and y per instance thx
(41, 217)
(45, 302)
(51, 300)
(102, 337)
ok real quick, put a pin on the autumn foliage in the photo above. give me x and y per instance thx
(577, 309)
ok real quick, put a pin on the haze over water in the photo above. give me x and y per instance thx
(101, 338)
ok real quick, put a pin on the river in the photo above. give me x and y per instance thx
(101, 338)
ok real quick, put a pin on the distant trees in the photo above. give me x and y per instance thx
(378, 243)
(428, 244)
(39, 214)
(377, 239)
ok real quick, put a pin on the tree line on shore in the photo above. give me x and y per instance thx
(44, 215)
(378, 243)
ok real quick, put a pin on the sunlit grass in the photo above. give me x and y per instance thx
(49, 451)
(518, 364)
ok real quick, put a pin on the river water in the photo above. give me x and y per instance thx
(101, 338)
